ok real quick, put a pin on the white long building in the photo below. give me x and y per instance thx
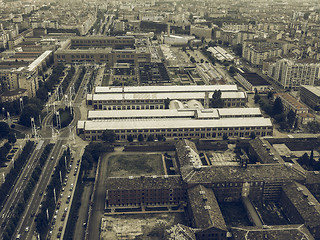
(177, 124)
(155, 97)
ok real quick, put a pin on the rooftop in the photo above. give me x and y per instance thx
(176, 123)
(277, 232)
(265, 151)
(304, 202)
(39, 60)
(163, 95)
(292, 101)
(144, 182)
(253, 172)
(166, 89)
(205, 208)
(255, 79)
(314, 89)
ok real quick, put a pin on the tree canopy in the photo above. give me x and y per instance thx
(108, 136)
(4, 130)
(216, 101)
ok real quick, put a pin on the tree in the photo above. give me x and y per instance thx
(232, 70)
(166, 103)
(4, 129)
(11, 138)
(256, 98)
(270, 95)
(29, 111)
(252, 135)
(311, 159)
(150, 138)
(225, 136)
(140, 138)
(277, 106)
(216, 101)
(130, 138)
(291, 117)
(108, 136)
(304, 159)
(237, 49)
(313, 127)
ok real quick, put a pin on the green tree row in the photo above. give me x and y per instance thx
(14, 172)
(42, 222)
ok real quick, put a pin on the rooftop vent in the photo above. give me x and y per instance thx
(202, 192)
(207, 207)
(299, 189)
(130, 177)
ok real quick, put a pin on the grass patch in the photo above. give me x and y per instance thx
(135, 165)
(105, 80)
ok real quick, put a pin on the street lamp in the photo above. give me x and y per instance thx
(21, 104)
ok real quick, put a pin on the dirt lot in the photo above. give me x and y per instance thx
(146, 226)
(135, 164)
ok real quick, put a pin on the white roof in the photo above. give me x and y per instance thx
(36, 62)
(158, 89)
(157, 113)
(176, 123)
(239, 111)
(163, 95)
(208, 113)
(314, 89)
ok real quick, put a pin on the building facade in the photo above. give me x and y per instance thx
(293, 73)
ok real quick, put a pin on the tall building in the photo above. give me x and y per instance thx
(293, 73)
(258, 50)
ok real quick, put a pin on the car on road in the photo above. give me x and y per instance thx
(52, 158)
(59, 235)
(41, 192)
(27, 229)
(60, 228)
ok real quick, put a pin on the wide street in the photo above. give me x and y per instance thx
(61, 139)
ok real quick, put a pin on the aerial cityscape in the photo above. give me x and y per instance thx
(160, 120)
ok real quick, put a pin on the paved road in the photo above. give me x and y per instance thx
(36, 198)
(99, 201)
(16, 195)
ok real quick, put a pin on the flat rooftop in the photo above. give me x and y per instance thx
(162, 95)
(159, 89)
(314, 89)
(255, 79)
(175, 123)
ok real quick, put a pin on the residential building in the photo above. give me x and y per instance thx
(257, 50)
(291, 73)
(206, 214)
(301, 110)
(201, 31)
(144, 191)
(23, 76)
(301, 207)
(97, 49)
(310, 95)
